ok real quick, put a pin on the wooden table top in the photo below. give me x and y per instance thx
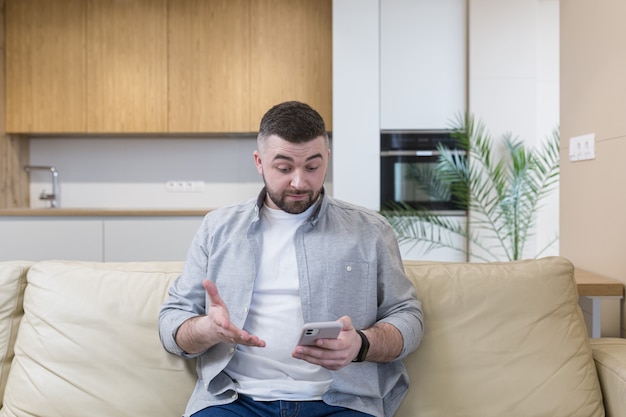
(594, 285)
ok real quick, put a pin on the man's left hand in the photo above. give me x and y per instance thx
(333, 354)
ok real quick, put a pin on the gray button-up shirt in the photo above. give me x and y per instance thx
(348, 264)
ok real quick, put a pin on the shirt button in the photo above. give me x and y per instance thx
(349, 268)
(245, 310)
(234, 396)
(231, 350)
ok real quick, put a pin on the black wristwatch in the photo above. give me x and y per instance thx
(365, 346)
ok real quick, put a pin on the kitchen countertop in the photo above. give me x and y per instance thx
(96, 212)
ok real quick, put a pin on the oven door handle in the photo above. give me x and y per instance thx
(409, 153)
(417, 153)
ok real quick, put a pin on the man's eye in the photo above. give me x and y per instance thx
(312, 169)
(283, 169)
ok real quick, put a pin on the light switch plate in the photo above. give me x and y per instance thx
(582, 148)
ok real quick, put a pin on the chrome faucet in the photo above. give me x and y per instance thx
(52, 197)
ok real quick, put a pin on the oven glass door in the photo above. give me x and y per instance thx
(408, 177)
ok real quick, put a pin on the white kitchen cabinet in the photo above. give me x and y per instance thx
(97, 238)
(423, 79)
(148, 238)
(41, 238)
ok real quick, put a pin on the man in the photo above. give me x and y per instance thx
(259, 270)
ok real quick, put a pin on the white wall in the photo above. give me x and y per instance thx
(513, 79)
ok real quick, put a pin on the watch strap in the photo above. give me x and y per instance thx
(365, 345)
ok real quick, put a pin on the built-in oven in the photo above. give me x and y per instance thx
(408, 175)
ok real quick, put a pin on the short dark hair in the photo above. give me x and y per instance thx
(294, 122)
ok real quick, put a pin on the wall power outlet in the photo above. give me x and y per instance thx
(184, 186)
(582, 148)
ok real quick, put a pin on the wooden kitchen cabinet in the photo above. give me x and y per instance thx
(231, 60)
(291, 55)
(78, 66)
(45, 66)
(209, 65)
(163, 66)
(127, 66)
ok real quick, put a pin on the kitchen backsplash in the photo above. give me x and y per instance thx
(107, 172)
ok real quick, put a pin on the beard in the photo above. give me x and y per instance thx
(292, 207)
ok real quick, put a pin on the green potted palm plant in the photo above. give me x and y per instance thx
(502, 190)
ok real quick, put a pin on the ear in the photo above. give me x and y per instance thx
(257, 162)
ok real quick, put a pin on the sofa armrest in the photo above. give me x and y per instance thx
(609, 355)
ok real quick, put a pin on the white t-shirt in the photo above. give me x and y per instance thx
(275, 315)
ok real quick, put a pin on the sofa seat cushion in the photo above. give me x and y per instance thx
(501, 339)
(12, 284)
(88, 344)
(609, 354)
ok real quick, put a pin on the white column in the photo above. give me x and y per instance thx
(356, 114)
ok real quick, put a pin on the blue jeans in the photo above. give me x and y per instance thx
(247, 407)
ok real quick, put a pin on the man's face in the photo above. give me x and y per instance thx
(293, 173)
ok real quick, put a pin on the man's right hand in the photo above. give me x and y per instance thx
(197, 334)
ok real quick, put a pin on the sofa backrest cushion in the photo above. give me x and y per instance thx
(12, 284)
(501, 339)
(88, 344)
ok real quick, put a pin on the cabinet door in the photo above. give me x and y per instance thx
(38, 239)
(209, 66)
(423, 64)
(45, 66)
(291, 55)
(127, 66)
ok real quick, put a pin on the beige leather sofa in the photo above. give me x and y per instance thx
(507, 339)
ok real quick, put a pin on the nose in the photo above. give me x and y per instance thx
(297, 180)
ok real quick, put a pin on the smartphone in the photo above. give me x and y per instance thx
(322, 330)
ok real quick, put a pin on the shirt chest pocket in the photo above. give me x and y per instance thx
(351, 291)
